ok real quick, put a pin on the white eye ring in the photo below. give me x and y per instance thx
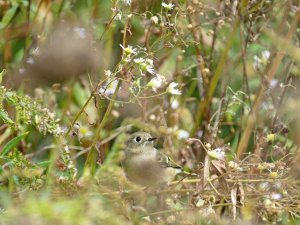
(137, 139)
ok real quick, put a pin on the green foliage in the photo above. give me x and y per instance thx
(28, 112)
(8, 16)
(12, 143)
(216, 81)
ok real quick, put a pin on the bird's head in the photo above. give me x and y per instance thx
(140, 139)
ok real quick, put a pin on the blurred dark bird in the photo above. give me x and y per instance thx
(69, 52)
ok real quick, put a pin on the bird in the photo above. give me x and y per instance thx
(145, 165)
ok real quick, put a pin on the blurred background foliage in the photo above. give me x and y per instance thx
(216, 81)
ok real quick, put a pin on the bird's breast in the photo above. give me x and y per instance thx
(144, 170)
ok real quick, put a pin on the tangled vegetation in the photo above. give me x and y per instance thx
(216, 81)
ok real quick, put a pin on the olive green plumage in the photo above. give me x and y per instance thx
(144, 164)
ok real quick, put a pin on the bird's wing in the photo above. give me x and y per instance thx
(166, 161)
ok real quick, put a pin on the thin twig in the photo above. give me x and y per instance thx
(243, 143)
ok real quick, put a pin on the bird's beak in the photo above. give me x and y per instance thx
(152, 139)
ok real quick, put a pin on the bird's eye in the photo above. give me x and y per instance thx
(138, 139)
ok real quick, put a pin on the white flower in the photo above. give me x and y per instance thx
(172, 89)
(256, 63)
(233, 164)
(85, 132)
(148, 66)
(70, 166)
(264, 59)
(174, 103)
(129, 50)
(182, 134)
(261, 61)
(167, 6)
(61, 178)
(107, 73)
(139, 61)
(126, 2)
(74, 172)
(154, 19)
(276, 196)
(58, 131)
(67, 150)
(266, 54)
(118, 16)
(145, 65)
(149, 62)
(274, 83)
(109, 88)
(126, 59)
(217, 153)
(156, 82)
(149, 69)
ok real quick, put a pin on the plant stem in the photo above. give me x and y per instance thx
(84, 106)
(204, 104)
(90, 164)
(242, 147)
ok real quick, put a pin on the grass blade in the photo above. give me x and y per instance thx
(12, 143)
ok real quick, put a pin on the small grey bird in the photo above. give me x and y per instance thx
(144, 164)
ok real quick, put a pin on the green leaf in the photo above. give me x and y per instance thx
(44, 163)
(8, 16)
(5, 118)
(2, 73)
(12, 143)
(80, 95)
